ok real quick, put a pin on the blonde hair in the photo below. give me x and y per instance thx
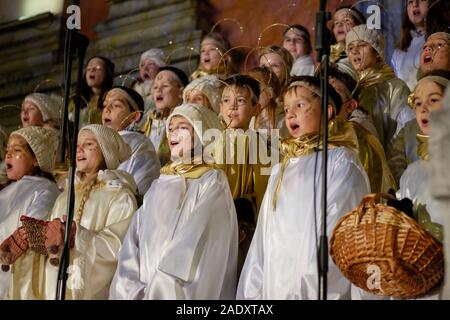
(287, 58)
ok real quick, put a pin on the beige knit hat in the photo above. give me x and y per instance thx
(156, 55)
(43, 142)
(372, 36)
(114, 149)
(50, 106)
(210, 86)
(199, 117)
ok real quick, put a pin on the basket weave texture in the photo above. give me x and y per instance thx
(36, 230)
(383, 251)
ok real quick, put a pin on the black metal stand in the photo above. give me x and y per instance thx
(79, 41)
(322, 46)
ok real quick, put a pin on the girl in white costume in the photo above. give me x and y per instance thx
(282, 260)
(104, 205)
(31, 191)
(183, 241)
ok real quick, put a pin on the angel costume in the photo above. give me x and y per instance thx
(282, 259)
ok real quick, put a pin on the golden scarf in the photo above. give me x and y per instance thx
(186, 170)
(370, 76)
(337, 52)
(422, 146)
(340, 134)
(220, 70)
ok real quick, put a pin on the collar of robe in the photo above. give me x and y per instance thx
(221, 69)
(337, 52)
(422, 146)
(340, 134)
(370, 76)
(187, 170)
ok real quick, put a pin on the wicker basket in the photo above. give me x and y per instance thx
(383, 251)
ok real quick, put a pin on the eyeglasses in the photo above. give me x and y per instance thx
(435, 45)
(94, 68)
(294, 40)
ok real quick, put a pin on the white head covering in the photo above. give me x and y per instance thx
(199, 117)
(372, 36)
(156, 55)
(114, 149)
(43, 142)
(210, 86)
(50, 106)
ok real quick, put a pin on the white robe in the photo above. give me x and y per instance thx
(282, 260)
(106, 216)
(143, 164)
(406, 64)
(157, 132)
(31, 196)
(185, 253)
(303, 66)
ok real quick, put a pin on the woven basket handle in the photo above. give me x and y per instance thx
(370, 200)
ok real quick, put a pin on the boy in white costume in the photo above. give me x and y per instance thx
(31, 190)
(183, 241)
(104, 205)
(282, 259)
(123, 108)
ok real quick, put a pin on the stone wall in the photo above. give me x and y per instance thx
(32, 54)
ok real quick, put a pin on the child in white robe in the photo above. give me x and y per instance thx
(104, 205)
(31, 191)
(183, 241)
(123, 108)
(282, 260)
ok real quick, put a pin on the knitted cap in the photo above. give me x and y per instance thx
(50, 106)
(43, 142)
(372, 36)
(156, 55)
(199, 117)
(210, 86)
(114, 149)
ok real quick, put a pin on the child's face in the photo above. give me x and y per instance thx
(427, 98)
(31, 115)
(362, 55)
(148, 69)
(167, 93)
(294, 43)
(19, 161)
(275, 63)
(343, 22)
(210, 55)
(302, 109)
(417, 10)
(348, 103)
(116, 111)
(180, 137)
(95, 73)
(237, 107)
(89, 155)
(197, 97)
(435, 54)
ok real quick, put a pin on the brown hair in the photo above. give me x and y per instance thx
(285, 56)
(266, 76)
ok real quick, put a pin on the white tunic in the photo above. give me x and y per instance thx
(143, 164)
(181, 253)
(303, 66)
(31, 196)
(157, 132)
(406, 64)
(282, 260)
(106, 216)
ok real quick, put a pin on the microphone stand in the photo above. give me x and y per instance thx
(322, 46)
(73, 38)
